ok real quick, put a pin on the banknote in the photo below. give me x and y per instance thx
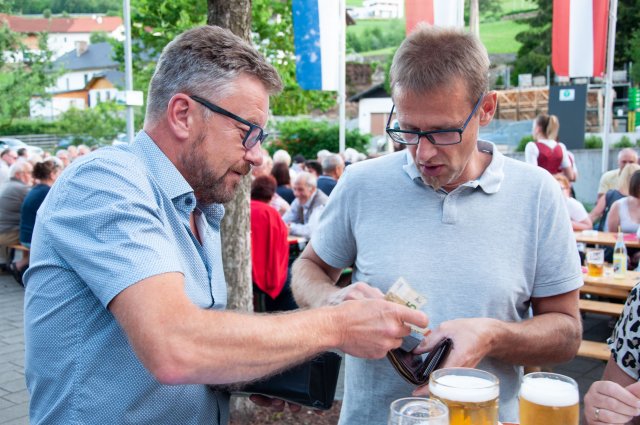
(402, 293)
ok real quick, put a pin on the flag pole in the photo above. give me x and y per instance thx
(608, 94)
(342, 98)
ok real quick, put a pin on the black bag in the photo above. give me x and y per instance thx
(312, 383)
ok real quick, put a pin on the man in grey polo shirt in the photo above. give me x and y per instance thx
(482, 236)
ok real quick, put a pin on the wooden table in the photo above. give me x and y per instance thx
(608, 281)
(593, 237)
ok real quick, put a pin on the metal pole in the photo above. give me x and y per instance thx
(342, 99)
(127, 66)
(608, 94)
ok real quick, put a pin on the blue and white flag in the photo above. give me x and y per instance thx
(316, 32)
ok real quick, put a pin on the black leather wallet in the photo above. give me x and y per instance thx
(311, 384)
(412, 367)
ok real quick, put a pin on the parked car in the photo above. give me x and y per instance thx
(506, 132)
(15, 144)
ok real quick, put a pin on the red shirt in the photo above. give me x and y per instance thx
(269, 248)
(549, 159)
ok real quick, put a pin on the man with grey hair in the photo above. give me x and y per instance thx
(609, 180)
(125, 317)
(332, 169)
(7, 158)
(12, 193)
(453, 217)
(305, 210)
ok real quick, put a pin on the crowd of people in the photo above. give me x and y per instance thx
(25, 181)
(124, 281)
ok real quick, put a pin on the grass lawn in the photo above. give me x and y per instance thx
(363, 25)
(509, 6)
(499, 37)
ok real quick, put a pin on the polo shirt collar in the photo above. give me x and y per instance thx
(489, 181)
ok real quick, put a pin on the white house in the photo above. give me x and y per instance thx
(382, 9)
(63, 33)
(90, 77)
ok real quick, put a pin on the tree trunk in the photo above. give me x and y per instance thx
(235, 230)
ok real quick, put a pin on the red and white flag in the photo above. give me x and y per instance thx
(443, 13)
(579, 37)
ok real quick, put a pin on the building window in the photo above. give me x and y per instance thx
(86, 79)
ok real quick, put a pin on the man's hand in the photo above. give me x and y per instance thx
(372, 327)
(355, 291)
(471, 343)
(607, 402)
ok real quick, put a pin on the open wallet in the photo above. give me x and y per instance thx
(311, 384)
(411, 366)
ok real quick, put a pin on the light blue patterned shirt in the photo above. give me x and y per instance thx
(112, 219)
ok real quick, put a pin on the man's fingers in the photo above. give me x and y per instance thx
(421, 391)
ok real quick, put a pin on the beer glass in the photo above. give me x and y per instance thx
(548, 398)
(470, 394)
(595, 262)
(418, 411)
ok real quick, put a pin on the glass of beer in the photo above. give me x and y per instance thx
(595, 262)
(470, 394)
(548, 398)
(418, 411)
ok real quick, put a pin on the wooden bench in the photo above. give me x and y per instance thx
(603, 291)
(594, 350)
(601, 307)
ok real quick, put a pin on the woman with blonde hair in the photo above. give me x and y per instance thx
(601, 210)
(545, 151)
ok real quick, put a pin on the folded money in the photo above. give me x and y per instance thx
(402, 293)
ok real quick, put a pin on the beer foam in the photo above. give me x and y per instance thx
(464, 388)
(549, 392)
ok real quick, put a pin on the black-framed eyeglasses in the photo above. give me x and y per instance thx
(447, 136)
(255, 134)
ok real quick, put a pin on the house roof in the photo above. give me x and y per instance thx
(98, 55)
(113, 76)
(377, 90)
(85, 24)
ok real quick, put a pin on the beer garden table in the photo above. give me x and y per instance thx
(594, 237)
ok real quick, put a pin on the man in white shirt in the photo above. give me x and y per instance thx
(307, 207)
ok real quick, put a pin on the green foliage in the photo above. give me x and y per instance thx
(31, 126)
(60, 6)
(593, 142)
(272, 26)
(634, 56)
(100, 124)
(624, 142)
(523, 143)
(21, 79)
(157, 23)
(308, 137)
(99, 37)
(535, 52)
(375, 34)
(627, 33)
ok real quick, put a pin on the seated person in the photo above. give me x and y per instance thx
(12, 193)
(280, 171)
(616, 398)
(601, 210)
(46, 173)
(625, 212)
(306, 208)
(269, 250)
(579, 217)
